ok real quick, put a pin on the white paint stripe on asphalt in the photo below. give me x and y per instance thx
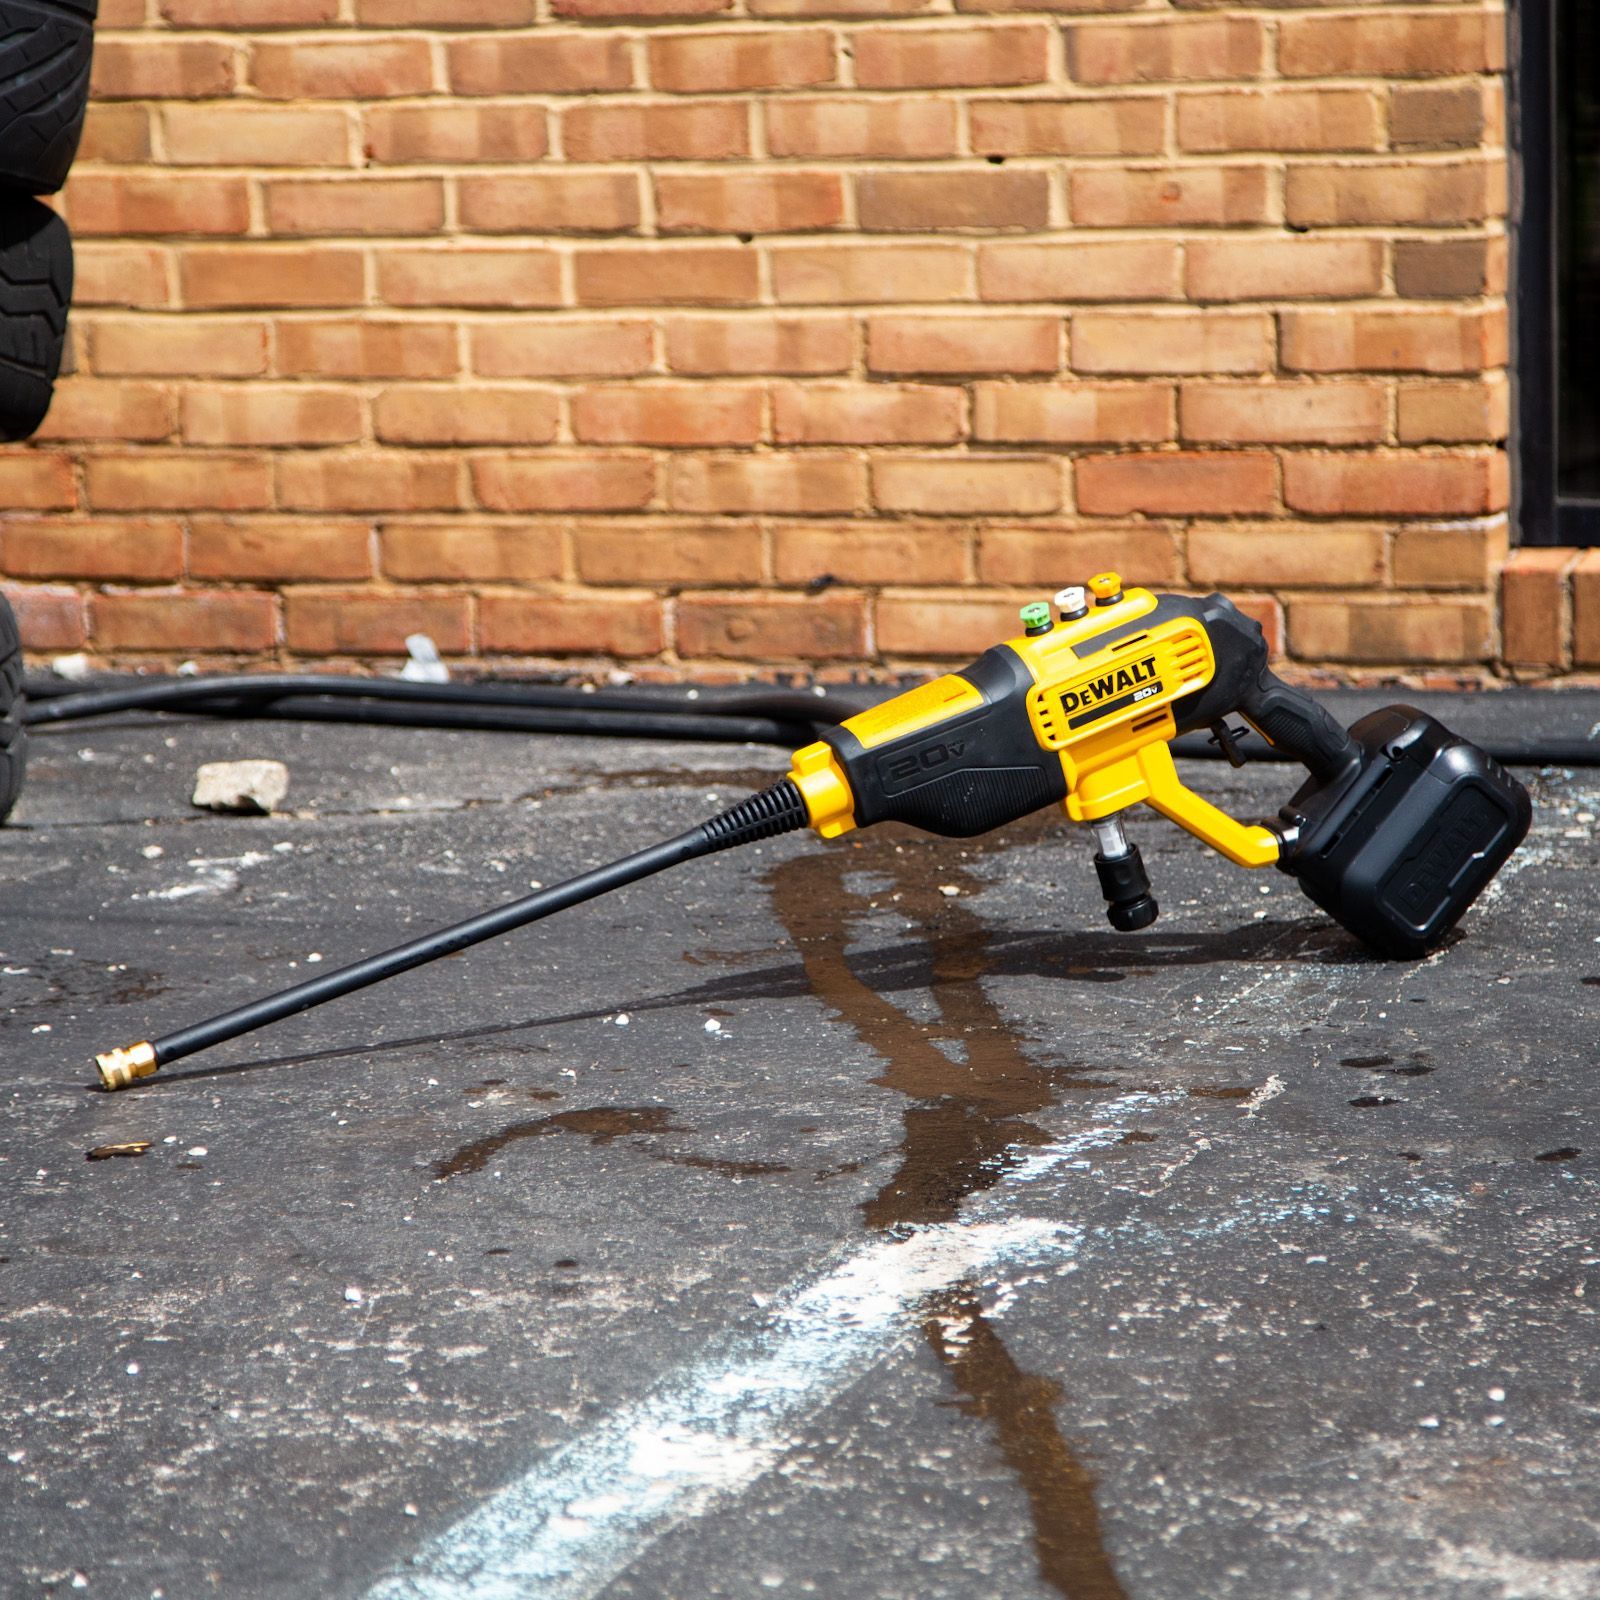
(578, 1517)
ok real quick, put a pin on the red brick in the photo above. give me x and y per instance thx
(902, 57)
(1388, 193)
(1451, 556)
(1478, 411)
(866, 413)
(870, 274)
(1586, 610)
(1178, 483)
(1392, 483)
(937, 625)
(113, 132)
(1436, 116)
(270, 276)
(557, 625)
(32, 481)
(1177, 341)
(1285, 555)
(880, 130)
(488, 276)
(548, 62)
(1284, 413)
(544, 349)
(1284, 269)
(834, 8)
(355, 205)
(551, 202)
(162, 69)
(767, 201)
(170, 481)
(1401, 44)
(736, 63)
(395, 480)
(955, 486)
(455, 414)
(873, 553)
(342, 68)
(240, 14)
(759, 343)
(1393, 341)
(708, 131)
(428, 135)
(232, 623)
(1052, 556)
(1141, 269)
(1534, 607)
(471, 552)
(1431, 269)
(446, 13)
(1072, 413)
(1116, 197)
(638, 8)
(148, 550)
(551, 482)
(166, 203)
(358, 622)
(1110, 127)
(85, 409)
(804, 484)
(764, 627)
(670, 556)
(121, 275)
(259, 414)
(49, 619)
(697, 414)
(916, 202)
(1378, 632)
(645, 275)
(272, 549)
(267, 136)
(955, 344)
(347, 347)
(1279, 120)
(1172, 49)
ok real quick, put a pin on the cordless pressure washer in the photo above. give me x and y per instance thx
(1398, 829)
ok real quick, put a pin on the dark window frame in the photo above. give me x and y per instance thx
(1542, 515)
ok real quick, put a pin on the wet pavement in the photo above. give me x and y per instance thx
(858, 1220)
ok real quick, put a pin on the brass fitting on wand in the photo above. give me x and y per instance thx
(119, 1068)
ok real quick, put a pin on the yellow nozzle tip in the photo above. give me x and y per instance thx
(119, 1068)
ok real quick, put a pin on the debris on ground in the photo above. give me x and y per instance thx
(248, 788)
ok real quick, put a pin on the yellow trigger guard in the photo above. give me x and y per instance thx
(1149, 775)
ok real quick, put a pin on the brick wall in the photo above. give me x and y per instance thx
(724, 332)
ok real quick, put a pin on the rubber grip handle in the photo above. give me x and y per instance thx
(1293, 722)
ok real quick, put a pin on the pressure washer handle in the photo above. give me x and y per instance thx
(1293, 722)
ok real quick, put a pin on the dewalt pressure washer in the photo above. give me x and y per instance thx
(1399, 827)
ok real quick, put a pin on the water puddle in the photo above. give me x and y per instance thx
(971, 1089)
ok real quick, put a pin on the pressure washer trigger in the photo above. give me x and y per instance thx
(1226, 739)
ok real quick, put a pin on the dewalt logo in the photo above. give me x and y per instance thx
(1137, 680)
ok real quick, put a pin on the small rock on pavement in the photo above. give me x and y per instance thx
(255, 788)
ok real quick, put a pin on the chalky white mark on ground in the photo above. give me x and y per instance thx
(580, 1516)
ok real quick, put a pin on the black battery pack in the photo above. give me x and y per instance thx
(1399, 843)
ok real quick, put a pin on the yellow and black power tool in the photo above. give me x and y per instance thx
(1399, 827)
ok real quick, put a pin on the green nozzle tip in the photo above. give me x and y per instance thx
(1036, 617)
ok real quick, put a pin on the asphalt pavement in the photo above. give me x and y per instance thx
(864, 1220)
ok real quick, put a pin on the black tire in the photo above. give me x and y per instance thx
(45, 51)
(13, 739)
(35, 288)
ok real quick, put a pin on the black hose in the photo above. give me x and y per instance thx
(239, 689)
(779, 809)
